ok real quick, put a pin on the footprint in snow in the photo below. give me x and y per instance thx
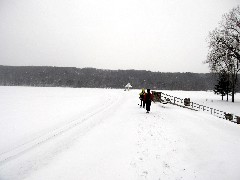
(144, 173)
(166, 165)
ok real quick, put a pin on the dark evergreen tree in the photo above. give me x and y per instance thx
(222, 87)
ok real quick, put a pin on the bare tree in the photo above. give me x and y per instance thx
(224, 47)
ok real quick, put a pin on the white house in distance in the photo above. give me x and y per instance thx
(128, 86)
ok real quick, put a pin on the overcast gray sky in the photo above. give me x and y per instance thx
(156, 35)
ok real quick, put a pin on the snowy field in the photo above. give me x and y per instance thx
(102, 134)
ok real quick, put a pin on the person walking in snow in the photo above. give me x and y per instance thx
(141, 97)
(148, 98)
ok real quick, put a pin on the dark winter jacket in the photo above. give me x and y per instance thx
(148, 97)
(142, 93)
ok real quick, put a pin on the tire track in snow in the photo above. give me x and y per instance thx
(25, 147)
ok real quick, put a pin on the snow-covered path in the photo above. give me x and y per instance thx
(116, 139)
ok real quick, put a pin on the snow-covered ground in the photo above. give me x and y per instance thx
(65, 133)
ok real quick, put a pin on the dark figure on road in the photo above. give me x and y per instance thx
(141, 97)
(148, 97)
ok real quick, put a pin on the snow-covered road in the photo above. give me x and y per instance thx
(110, 138)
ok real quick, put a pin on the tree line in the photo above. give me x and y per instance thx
(44, 76)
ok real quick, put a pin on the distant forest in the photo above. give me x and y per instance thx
(43, 76)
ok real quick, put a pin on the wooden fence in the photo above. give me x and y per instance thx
(186, 103)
